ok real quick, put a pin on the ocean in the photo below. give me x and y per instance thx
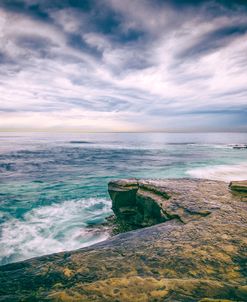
(53, 186)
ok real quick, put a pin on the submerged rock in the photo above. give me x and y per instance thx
(197, 253)
(241, 146)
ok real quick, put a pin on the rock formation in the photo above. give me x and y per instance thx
(239, 186)
(239, 146)
(196, 252)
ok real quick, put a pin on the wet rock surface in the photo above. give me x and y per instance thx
(197, 252)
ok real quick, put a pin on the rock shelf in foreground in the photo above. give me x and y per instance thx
(197, 252)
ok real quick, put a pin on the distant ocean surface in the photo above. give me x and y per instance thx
(53, 187)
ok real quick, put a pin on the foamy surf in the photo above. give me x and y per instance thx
(221, 172)
(54, 228)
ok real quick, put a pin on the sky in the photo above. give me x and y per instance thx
(132, 65)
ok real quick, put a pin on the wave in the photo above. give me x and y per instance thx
(221, 172)
(55, 228)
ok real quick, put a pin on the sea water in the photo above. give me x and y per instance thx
(53, 186)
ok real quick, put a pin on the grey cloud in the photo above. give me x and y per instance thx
(216, 39)
(34, 42)
(127, 63)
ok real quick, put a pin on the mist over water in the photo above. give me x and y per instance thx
(53, 187)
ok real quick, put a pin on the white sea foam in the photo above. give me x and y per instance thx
(221, 172)
(54, 228)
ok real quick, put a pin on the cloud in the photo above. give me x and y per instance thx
(114, 65)
(216, 39)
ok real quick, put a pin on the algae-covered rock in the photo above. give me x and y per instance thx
(240, 186)
(198, 253)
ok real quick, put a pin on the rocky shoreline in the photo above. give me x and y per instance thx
(186, 241)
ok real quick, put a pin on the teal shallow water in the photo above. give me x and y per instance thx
(53, 187)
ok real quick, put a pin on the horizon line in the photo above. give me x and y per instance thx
(121, 131)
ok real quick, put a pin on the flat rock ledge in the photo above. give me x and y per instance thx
(239, 186)
(142, 203)
(192, 246)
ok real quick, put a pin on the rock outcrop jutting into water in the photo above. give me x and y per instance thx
(196, 252)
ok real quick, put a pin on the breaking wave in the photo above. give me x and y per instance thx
(55, 228)
(221, 172)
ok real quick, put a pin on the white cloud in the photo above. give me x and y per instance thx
(125, 85)
(70, 20)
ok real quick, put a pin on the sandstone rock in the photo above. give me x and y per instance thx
(239, 186)
(123, 195)
(197, 254)
(148, 202)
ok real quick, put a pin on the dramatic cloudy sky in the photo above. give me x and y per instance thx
(123, 65)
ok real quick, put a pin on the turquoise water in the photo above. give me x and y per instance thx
(53, 187)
